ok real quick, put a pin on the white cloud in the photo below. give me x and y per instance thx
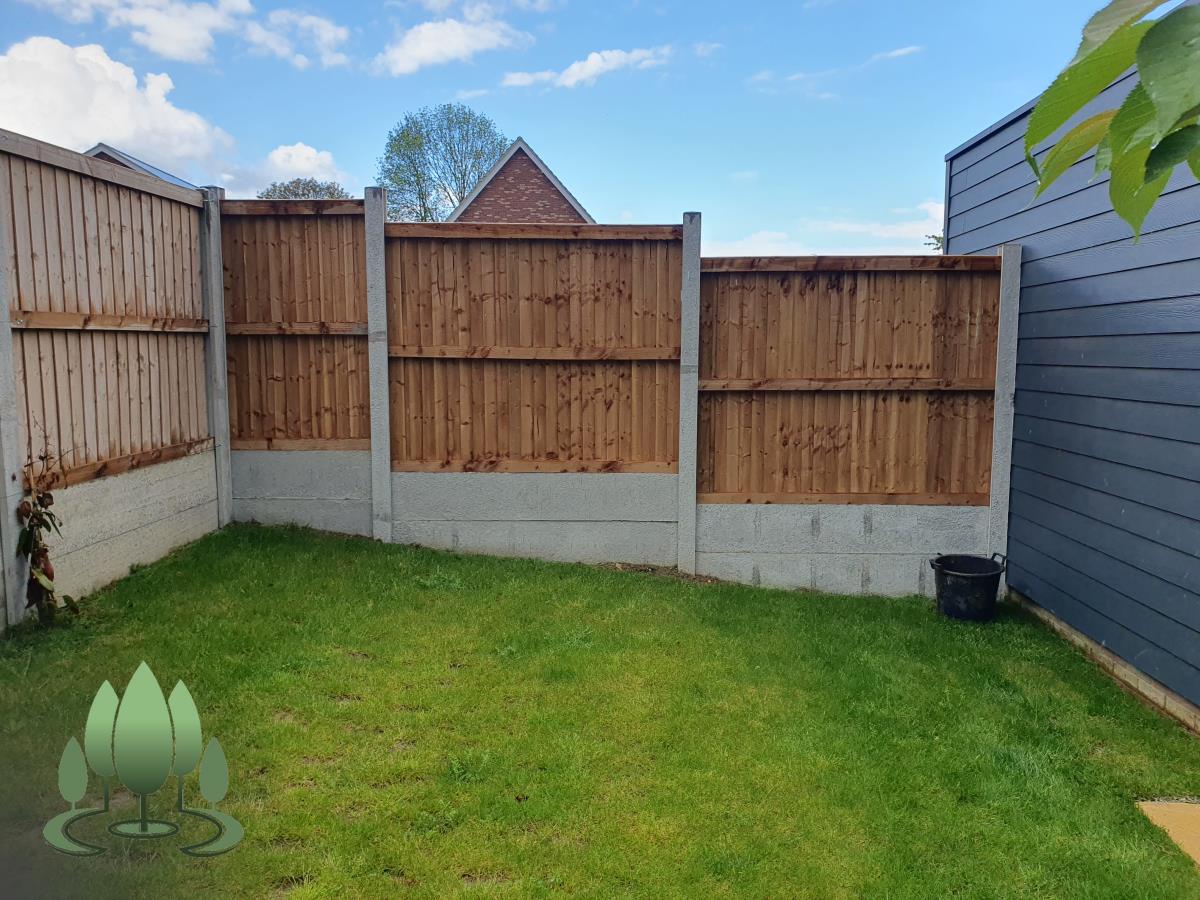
(539, 6)
(78, 96)
(444, 41)
(706, 48)
(185, 31)
(287, 28)
(586, 71)
(930, 221)
(471, 94)
(898, 53)
(299, 160)
(845, 235)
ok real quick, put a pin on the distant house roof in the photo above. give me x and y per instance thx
(520, 188)
(121, 158)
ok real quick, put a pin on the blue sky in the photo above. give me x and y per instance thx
(796, 127)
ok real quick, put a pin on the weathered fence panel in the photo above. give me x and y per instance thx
(534, 348)
(106, 311)
(296, 324)
(847, 380)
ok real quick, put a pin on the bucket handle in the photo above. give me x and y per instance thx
(1002, 560)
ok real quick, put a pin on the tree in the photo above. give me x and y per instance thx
(1154, 131)
(304, 189)
(185, 719)
(98, 735)
(936, 242)
(434, 158)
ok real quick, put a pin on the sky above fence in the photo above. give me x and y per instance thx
(796, 127)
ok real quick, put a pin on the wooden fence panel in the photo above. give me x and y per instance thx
(553, 350)
(296, 315)
(847, 380)
(107, 313)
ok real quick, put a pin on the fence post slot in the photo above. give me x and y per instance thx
(689, 386)
(212, 274)
(1006, 385)
(375, 210)
(12, 582)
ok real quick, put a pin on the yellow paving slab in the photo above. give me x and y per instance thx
(1181, 821)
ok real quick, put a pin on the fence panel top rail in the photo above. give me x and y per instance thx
(850, 264)
(39, 151)
(291, 207)
(451, 230)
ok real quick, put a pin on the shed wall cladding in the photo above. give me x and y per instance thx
(1105, 515)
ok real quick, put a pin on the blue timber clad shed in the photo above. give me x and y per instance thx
(1105, 508)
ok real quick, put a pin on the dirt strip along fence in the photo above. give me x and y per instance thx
(534, 349)
(847, 379)
(103, 280)
(296, 324)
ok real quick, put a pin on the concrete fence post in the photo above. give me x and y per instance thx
(377, 366)
(1006, 386)
(212, 283)
(12, 582)
(689, 391)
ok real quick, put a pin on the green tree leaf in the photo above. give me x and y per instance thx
(1134, 123)
(142, 735)
(72, 773)
(1103, 156)
(1174, 149)
(1070, 149)
(1081, 82)
(1112, 19)
(1168, 61)
(98, 733)
(214, 773)
(186, 720)
(1132, 195)
(1194, 164)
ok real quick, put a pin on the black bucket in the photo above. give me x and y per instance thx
(967, 585)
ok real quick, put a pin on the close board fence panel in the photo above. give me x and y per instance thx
(106, 310)
(534, 348)
(847, 380)
(296, 324)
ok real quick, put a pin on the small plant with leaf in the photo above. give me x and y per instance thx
(1154, 131)
(38, 520)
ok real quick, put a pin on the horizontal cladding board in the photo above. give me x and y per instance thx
(1139, 351)
(1012, 217)
(1161, 282)
(1161, 631)
(989, 202)
(1165, 492)
(1016, 177)
(1178, 386)
(1133, 417)
(1175, 315)
(1008, 143)
(1155, 454)
(1166, 528)
(1167, 246)
(1173, 209)
(1134, 649)
(1156, 576)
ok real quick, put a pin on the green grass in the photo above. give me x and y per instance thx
(405, 722)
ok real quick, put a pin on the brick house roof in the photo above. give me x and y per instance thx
(520, 188)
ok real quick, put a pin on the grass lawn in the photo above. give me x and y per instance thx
(405, 722)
